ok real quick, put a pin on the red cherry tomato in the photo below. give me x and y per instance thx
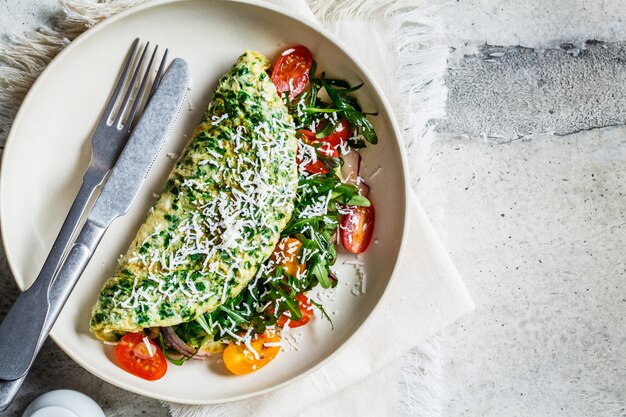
(356, 228)
(291, 71)
(134, 357)
(325, 149)
(316, 167)
(306, 309)
(307, 135)
(328, 150)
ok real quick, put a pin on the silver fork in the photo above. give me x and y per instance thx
(107, 141)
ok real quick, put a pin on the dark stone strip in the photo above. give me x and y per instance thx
(507, 93)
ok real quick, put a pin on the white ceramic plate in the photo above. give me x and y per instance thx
(48, 150)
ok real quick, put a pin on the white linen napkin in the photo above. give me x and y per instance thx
(427, 288)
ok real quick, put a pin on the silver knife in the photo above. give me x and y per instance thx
(20, 342)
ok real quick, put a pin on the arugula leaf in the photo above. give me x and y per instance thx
(320, 270)
(335, 82)
(321, 110)
(347, 105)
(233, 314)
(202, 322)
(324, 313)
(327, 129)
(291, 304)
(358, 200)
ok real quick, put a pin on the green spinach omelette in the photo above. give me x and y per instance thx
(224, 206)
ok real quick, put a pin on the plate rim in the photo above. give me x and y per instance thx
(141, 8)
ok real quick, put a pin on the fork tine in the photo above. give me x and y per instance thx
(131, 87)
(142, 87)
(159, 74)
(121, 80)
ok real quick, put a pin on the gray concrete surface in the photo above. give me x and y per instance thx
(537, 229)
(535, 225)
(21, 16)
(530, 23)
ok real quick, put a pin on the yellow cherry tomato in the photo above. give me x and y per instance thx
(286, 255)
(240, 360)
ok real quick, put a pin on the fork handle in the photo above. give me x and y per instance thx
(31, 308)
(91, 180)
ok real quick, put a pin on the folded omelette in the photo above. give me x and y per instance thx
(220, 215)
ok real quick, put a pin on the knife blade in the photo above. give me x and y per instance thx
(20, 342)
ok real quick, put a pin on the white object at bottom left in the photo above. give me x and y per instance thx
(63, 403)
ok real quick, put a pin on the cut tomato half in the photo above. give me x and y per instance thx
(357, 228)
(286, 255)
(291, 71)
(306, 310)
(241, 359)
(140, 356)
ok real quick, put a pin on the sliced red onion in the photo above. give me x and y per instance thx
(144, 350)
(200, 355)
(351, 166)
(350, 171)
(203, 354)
(177, 343)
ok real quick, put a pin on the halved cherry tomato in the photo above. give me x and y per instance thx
(325, 149)
(291, 71)
(134, 357)
(306, 309)
(316, 167)
(330, 143)
(308, 135)
(356, 228)
(286, 255)
(240, 360)
(341, 134)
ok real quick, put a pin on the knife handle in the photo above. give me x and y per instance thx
(21, 347)
(31, 307)
(8, 391)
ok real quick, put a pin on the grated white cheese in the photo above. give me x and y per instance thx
(291, 340)
(149, 346)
